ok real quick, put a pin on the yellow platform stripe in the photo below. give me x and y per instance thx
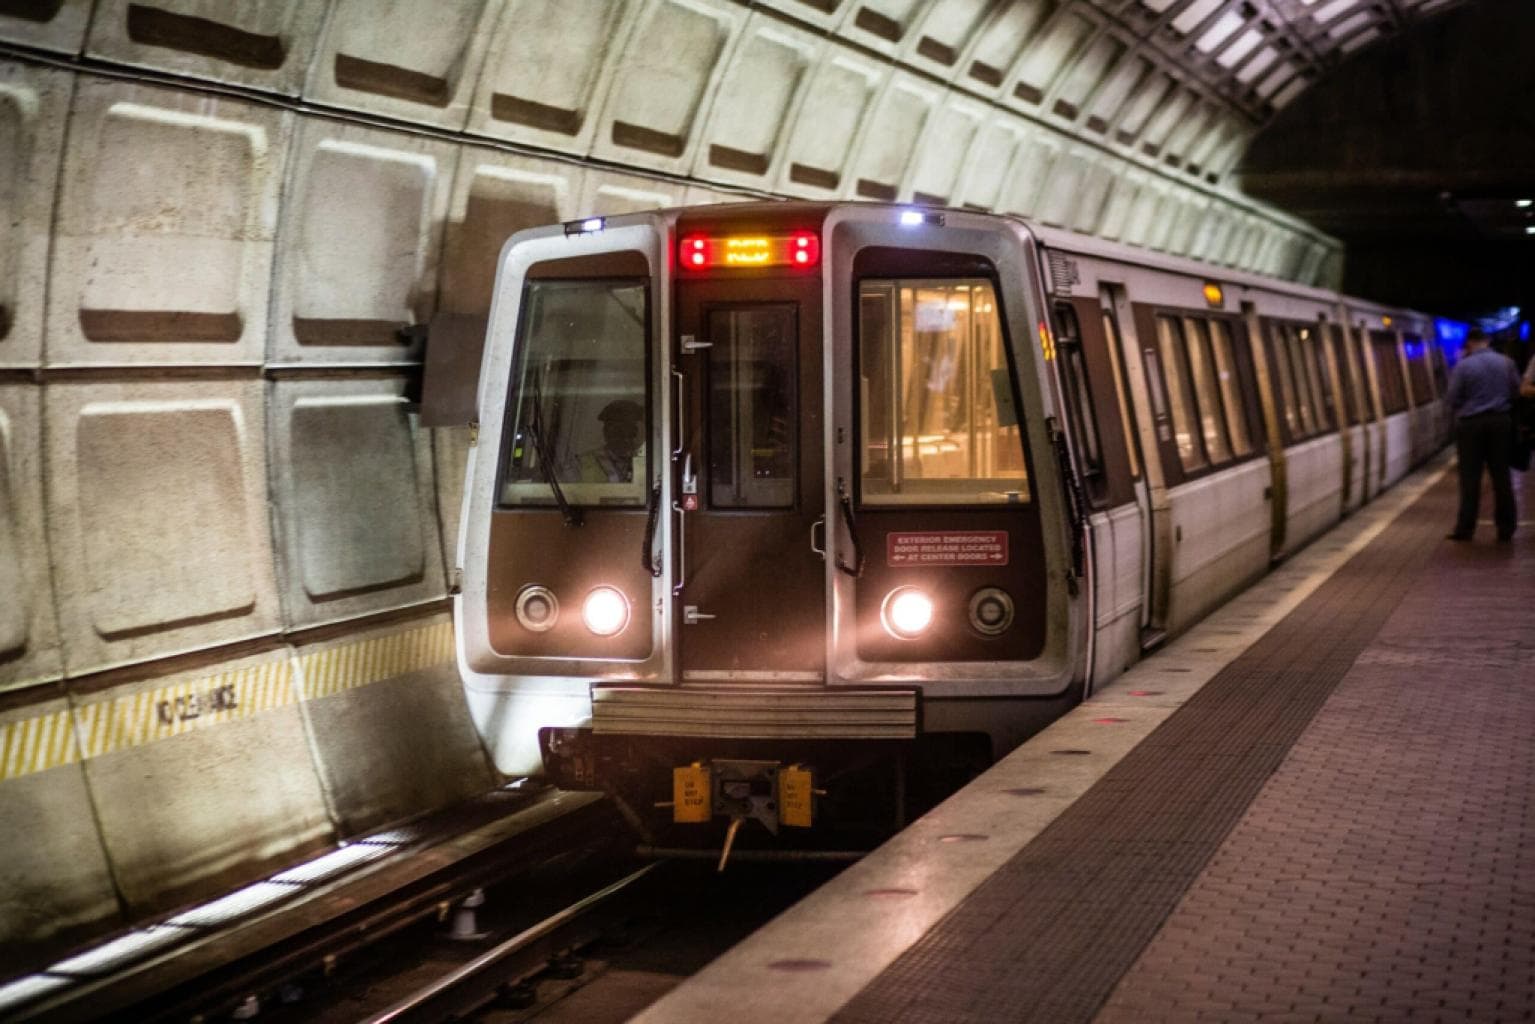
(65, 736)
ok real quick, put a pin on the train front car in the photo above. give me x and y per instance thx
(767, 509)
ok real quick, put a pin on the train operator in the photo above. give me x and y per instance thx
(613, 461)
(1483, 389)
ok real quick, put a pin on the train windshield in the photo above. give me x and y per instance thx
(579, 409)
(938, 419)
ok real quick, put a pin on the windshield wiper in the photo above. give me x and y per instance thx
(571, 514)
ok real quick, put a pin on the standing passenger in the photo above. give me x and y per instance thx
(1482, 391)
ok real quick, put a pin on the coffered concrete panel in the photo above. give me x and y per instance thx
(671, 69)
(55, 888)
(1061, 39)
(167, 215)
(756, 101)
(157, 517)
(33, 105)
(261, 43)
(352, 477)
(548, 69)
(357, 261)
(495, 196)
(840, 97)
(1121, 201)
(991, 163)
(881, 25)
(947, 32)
(1058, 200)
(1033, 171)
(57, 25)
(1000, 46)
(202, 780)
(389, 725)
(885, 145)
(606, 194)
(945, 150)
(29, 636)
(1093, 190)
(415, 61)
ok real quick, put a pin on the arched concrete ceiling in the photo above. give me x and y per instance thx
(1417, 154)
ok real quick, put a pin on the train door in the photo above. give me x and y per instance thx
(749, 469)
(1114, 307)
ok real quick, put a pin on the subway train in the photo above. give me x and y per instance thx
(798, 514)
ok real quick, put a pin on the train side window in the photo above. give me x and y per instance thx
(938, 415)
(1388, 369)
(1307, 351)
(579, 412)
(1231, 388)
(1441, 382)
(1068, 351)
(1318, 369)
(1417, 366)
(1345, 375)
(1281, 361)
(1111, 334)
(753, 367)
(1206, 391)
(1305, 398)
(1190, 452)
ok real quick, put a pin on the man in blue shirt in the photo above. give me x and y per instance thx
(1482, 391)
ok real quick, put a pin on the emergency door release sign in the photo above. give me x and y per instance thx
(947, 547)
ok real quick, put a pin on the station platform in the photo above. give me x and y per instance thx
(1317, 805)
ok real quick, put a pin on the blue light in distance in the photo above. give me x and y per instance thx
(1449, 332)
(1524, 330)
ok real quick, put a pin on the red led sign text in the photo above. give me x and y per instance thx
(710, 252)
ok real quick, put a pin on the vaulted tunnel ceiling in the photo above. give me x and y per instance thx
(1416, 154)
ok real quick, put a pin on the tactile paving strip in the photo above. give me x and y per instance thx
(1050, 934)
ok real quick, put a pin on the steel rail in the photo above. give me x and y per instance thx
(423, 1004)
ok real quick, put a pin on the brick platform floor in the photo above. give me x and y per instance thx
(1338, 827)
(1387, 870)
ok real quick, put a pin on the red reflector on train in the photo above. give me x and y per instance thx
(711, 252)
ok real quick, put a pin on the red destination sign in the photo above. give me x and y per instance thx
(947, 547)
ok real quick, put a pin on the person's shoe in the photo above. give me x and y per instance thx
(1457, 535)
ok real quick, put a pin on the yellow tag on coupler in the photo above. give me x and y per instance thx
(794, 796)
(690, 793)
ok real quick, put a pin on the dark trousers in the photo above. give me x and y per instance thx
(1485, 440)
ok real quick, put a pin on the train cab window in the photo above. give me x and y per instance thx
(1170, 341)
(938, 421)
(1073, 365)
(1230, 387)
(579, 410)
(752, 408)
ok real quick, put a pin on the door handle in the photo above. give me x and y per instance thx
(691, 616)
(818, 525)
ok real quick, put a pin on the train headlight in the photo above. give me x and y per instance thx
(991, 611)
(907, 613)
(537, 608)
(606, 612)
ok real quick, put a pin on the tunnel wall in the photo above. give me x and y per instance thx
(225, 542)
